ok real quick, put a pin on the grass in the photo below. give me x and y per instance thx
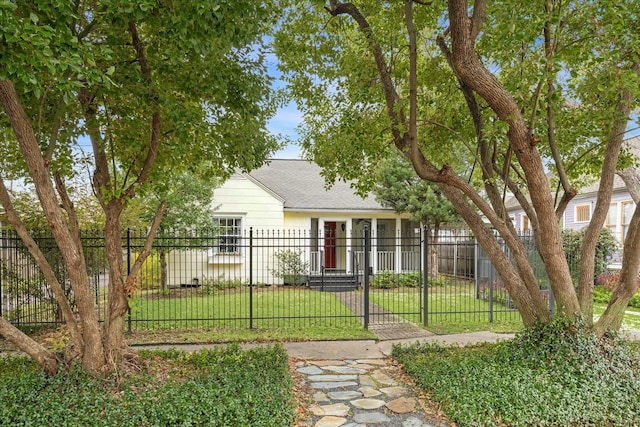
(279, 314)
(305, 332)
(268, 307)
(452, 309)
(219, 387)
(552, 375)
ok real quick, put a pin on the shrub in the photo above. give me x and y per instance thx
(549, 375)
(606, 246)
(389, 280)
(209, 285)
(290, 267)
(385, 280)
(608, 279)
(219, 387)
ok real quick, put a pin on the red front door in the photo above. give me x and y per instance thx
(330, 245)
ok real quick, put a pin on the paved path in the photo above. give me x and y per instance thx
(361, 392)
(357, 384)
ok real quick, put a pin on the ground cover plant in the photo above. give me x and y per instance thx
(218, 387)
(549, 375)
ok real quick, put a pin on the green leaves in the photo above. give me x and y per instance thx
(557, 374)
(220, 387)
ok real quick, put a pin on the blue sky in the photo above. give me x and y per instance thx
(284, 122)
(287, 117)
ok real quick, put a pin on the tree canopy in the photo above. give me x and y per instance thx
(516, 89)
(400, 188)
(157, 87)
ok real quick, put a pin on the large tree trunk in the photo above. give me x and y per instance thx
(118, 298)
(93, 352)
(473, 73)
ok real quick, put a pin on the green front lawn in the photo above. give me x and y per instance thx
(278, 314)
(452, 309)
(271, 308)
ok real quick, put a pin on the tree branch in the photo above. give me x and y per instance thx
(154, 140)
(603, 199)
(41, 355)
(413, 81)
(146, 250)
(67, 205)
(550, 48)
(394, 111)
(43, 264)
(478, 17)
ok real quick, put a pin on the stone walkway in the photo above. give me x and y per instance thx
(358, 393)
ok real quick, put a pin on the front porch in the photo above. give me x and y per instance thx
(337, 245)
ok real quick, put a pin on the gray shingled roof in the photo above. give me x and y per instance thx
(301, 186)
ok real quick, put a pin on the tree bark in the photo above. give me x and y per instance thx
(631, 178)
(93, 352)
(600, 212)
(470, 69)
(44, 358)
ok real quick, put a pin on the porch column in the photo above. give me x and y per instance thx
(320, 244)
(374, 245)
(347, 239)
(398, 245)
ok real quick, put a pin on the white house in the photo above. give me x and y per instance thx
(286, 206)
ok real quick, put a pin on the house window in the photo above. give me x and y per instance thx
(229, 235)
(583, 213)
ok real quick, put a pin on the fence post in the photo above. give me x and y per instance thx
(128, 272)
(492, 281)
(425, 275)
(2, 266)
(251, 278)
(367, 251)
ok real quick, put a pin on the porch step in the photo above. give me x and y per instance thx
(333, 282)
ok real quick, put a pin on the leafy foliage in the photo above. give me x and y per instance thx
(549, 375)
(390, 280)
(290, 266)
(400, 188)
(217, 387)
(606, 246)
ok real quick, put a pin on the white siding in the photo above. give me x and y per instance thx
(241, 197)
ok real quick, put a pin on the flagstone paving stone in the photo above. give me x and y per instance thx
(359, 393)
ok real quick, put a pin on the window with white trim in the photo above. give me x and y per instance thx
(229, 235)
(583, 213)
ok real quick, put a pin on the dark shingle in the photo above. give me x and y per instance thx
(301, 186)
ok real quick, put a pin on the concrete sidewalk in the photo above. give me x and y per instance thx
(355, 349)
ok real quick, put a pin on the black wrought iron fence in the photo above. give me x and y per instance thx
(274, 278)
